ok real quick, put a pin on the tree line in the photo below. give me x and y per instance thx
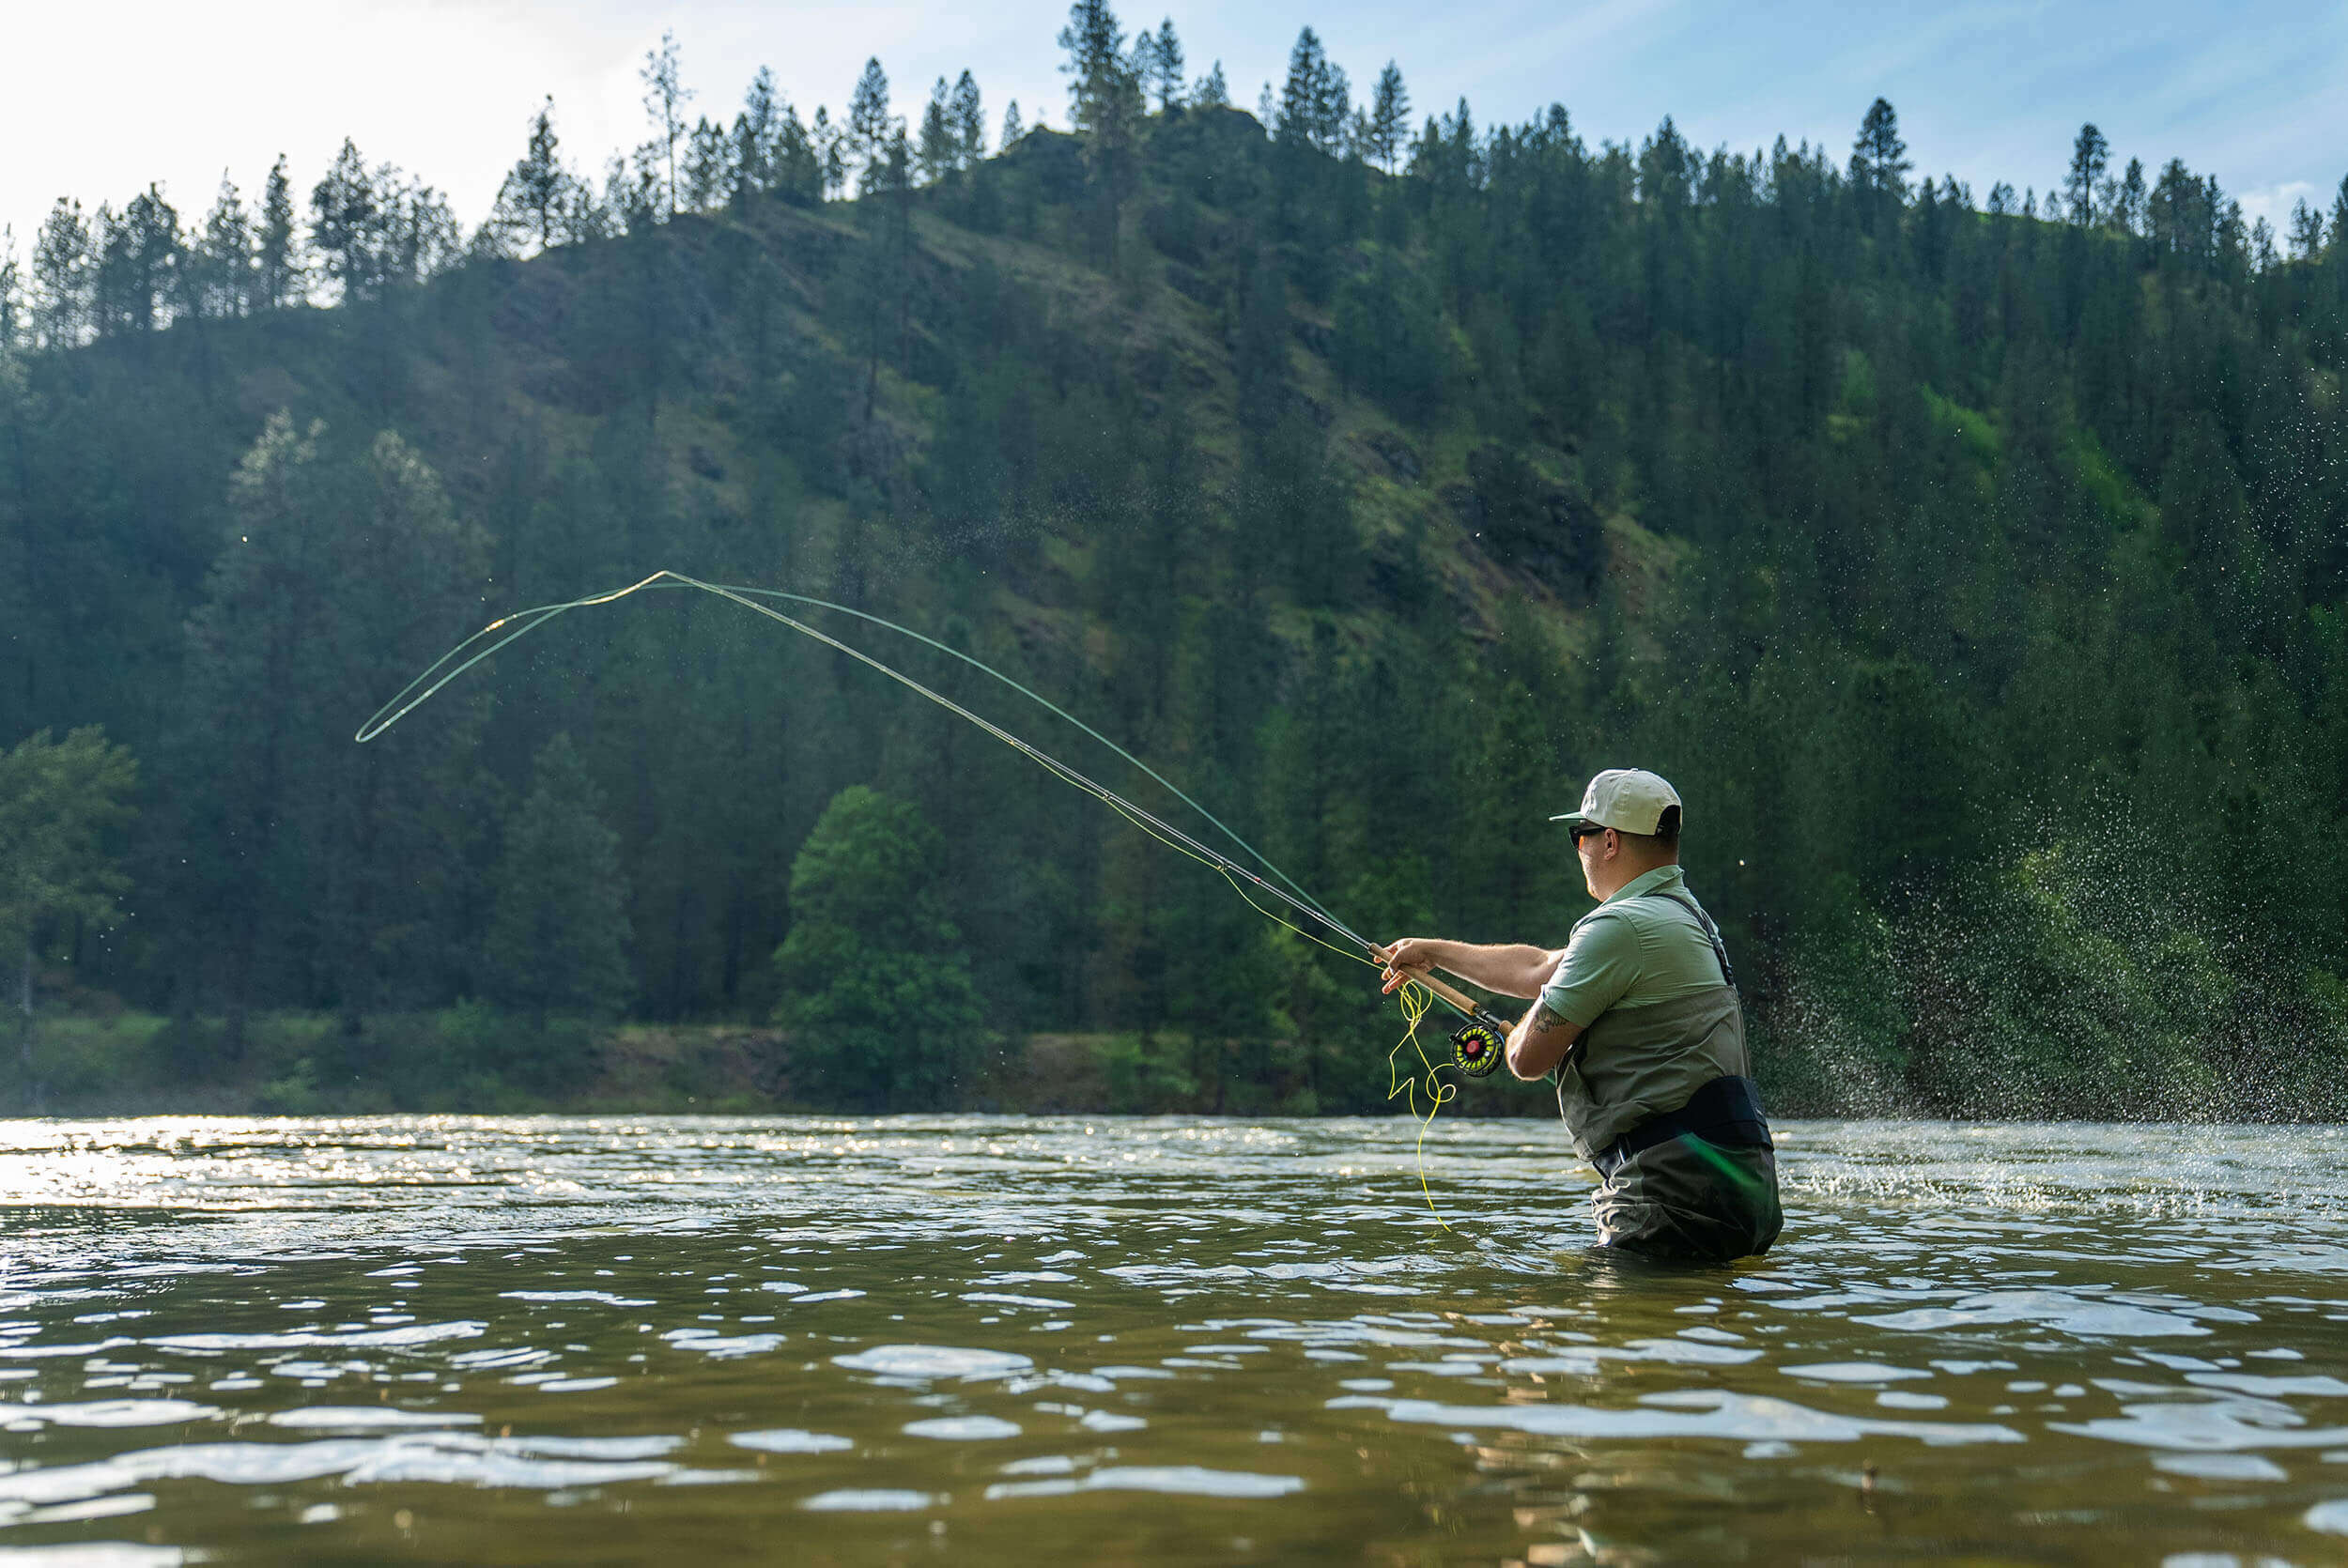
(1971, 565)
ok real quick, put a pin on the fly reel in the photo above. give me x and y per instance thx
(1476, 1047)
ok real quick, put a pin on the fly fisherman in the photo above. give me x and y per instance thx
(1639, 1018)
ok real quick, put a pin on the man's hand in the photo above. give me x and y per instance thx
(1512, 970)
(1408, 958)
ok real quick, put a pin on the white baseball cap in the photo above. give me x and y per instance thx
(1628, 800)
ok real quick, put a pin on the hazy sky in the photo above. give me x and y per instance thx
(102, 101)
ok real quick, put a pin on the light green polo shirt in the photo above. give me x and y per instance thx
(1632, 951)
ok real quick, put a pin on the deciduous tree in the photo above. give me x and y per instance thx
(58, 802)
(876, 983)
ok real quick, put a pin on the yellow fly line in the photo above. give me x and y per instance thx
(1414, 998)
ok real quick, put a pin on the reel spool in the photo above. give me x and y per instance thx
(1476, 1047)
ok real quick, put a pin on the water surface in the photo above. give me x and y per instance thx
(978, 1339)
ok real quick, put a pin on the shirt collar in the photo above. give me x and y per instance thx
(1660, 877)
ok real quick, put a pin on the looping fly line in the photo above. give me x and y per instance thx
(1415, 1000)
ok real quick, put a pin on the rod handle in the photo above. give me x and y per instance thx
(1449, 992)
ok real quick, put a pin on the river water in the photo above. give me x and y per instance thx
(976, 1339)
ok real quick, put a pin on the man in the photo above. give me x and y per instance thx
(1638, 1016)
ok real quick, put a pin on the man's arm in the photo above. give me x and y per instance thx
(1512, 969)
(1539, 1042)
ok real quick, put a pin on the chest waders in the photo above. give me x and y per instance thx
(1660, 1099)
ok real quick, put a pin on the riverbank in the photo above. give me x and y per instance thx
(473, 1060)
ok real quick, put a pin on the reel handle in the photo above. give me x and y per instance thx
(1476, 1045)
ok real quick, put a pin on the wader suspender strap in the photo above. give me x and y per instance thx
(1719, 948)
(1720, 951)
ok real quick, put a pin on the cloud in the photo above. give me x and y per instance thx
(2273, 204)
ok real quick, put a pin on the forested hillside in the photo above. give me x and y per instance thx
(1976, 569)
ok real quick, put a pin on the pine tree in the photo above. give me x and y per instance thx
(1212, 91)
(2263, 256)
(397, 566)
(559, 932)
(138, 262)
(1012, 130)
(1302, 97)
(1333, 106)
(1389, 116)
(2127, 207)
(1165, 67)
(277, 260)
(829, 143)
(221, 277)
(421, 237)
(541, 186)
(12, 323)
(1143, 63)
(758, 138)
(346, 225)
(2091, 154)
(1106, 107)
(1098, 75)
(876, 983)
(62, 268)
(2234, 236)
(1878, 160)
(797, 173)
(708, 167)
(870, 125)
(665, 97)
(937, 154)
(252, 720)
(319, 863)
(2307, 232)
(966, 118)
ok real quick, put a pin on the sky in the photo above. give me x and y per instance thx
(176, 94)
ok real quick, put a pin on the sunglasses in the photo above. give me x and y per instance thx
(1584, 830)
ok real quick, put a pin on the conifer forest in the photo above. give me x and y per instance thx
(1974, 563)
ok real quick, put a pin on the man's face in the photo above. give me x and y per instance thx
(1590, 844)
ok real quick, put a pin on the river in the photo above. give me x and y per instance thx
(980, 1339)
